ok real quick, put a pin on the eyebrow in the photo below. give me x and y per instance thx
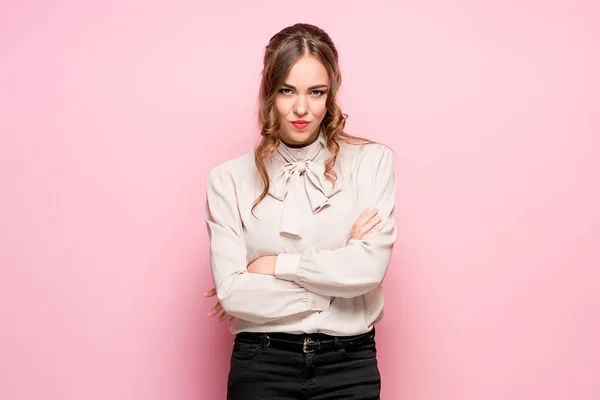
(310, 88)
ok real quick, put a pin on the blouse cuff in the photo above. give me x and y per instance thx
(319, 302)
(286, 266)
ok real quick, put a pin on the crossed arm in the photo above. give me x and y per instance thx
(265, 265)
(301, 282)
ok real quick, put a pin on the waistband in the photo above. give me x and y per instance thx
(307, 343)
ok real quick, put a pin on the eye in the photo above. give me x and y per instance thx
(317, 93)
(285, 91)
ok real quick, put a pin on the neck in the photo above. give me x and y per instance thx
(300, 145)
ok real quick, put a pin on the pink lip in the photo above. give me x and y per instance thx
(300, 124)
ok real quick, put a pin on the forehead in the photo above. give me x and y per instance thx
(307, 71)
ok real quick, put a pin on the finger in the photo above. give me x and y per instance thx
(361, 216)
(365, 216)
(223, 316)
(212, 292)
(368, 227)
(232, 320)
(358, 229)
(215, 310)
(371, 223)
(375, 228)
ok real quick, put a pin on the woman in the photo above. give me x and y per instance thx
(301, 233)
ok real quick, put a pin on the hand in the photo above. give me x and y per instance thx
(215, 310)
(365, 223)
(263, 265)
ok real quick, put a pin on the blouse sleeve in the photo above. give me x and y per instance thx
(251, 297)
(361, 265)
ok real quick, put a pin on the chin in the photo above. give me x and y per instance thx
(297, 137)
(293, 138)
(301, 138)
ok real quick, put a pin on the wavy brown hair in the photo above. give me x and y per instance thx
(281, 53)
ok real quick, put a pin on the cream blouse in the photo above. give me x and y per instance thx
(323, 283)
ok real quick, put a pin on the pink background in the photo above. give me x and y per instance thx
(112, 113)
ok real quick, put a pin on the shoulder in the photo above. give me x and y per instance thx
(365, 154)
(233, 170)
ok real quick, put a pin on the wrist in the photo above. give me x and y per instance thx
(272, 263)
(264, 265)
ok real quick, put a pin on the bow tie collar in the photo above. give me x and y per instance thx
(291, 178)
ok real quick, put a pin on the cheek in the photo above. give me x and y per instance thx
(320, 109)
(281, 106)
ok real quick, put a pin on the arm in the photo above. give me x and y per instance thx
(360, 266)
(247, 296)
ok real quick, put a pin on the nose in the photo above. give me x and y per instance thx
(301, 108)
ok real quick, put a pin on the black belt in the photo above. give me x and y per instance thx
(306, 343)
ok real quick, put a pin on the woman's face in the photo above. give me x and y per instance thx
(301, 101)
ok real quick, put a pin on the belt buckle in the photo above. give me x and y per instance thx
(307, 341)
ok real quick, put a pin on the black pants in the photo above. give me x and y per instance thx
(262, 370)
